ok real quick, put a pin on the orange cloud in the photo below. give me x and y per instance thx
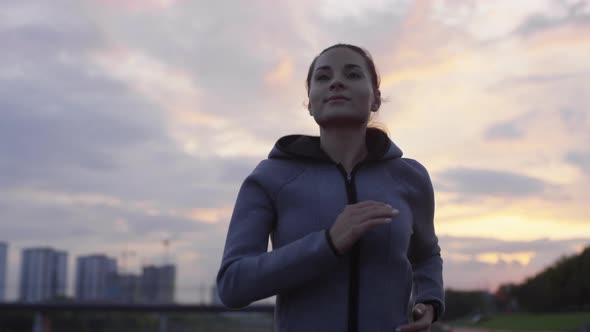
(572, 35)
(523, 257)
(435, 68)
(513, 227)
(211, 215)
(282, 73)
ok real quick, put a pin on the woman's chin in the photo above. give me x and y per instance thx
(342, 121)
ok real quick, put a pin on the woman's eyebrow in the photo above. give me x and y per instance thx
(351, 65)
(347, 66)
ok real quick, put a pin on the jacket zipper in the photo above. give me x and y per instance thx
(354, 271)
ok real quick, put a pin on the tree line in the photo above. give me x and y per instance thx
(562, 287)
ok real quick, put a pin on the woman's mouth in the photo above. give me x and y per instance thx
(337, 99)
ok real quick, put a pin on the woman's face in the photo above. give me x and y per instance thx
(340, 90)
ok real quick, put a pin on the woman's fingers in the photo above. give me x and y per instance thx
(418, 311)
(362, 228)
(383, 211)
(423, 315)
(363, 204)
(356, 219)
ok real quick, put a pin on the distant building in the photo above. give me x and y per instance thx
(127, 288)
(158, 283)
(96, 278)
(43, 274)
(3, 255)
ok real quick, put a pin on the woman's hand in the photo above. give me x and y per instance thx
(356, 219)
(423, 315)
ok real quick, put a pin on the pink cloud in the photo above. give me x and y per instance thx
(139, 5)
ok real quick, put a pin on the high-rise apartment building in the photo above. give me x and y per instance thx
(3, 264)
(128, 288)
(158, 283)
(43, 274)
(96, 278)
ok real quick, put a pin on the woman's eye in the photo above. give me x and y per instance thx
(354, 75)
(321, 77)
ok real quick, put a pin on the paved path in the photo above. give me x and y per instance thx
(472, 329)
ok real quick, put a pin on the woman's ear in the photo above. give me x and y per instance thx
(377, 101)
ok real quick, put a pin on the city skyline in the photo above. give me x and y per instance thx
(124, 124)
(44, 275)
(206, 292)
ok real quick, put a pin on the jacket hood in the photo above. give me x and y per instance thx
(379, 146)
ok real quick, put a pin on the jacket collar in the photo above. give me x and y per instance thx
(379, 147)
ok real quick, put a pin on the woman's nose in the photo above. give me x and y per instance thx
(336, 83)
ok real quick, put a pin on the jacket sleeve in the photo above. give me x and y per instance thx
(424, 251)
(248, 272)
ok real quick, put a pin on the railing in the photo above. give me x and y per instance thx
(95, 317)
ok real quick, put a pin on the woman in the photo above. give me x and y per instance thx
(350, 220)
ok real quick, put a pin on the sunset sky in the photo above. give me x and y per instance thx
(124, 123)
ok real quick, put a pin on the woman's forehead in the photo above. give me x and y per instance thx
(340, 57)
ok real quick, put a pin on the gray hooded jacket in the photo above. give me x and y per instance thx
(294, 197)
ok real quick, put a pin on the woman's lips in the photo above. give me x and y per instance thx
(337, 99)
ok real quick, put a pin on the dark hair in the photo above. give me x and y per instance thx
(375, 79)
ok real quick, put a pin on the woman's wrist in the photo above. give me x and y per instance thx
(331, 243)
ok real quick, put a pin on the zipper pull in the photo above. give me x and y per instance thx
(349, 177)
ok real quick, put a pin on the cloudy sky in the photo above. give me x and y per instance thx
(124, 123)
